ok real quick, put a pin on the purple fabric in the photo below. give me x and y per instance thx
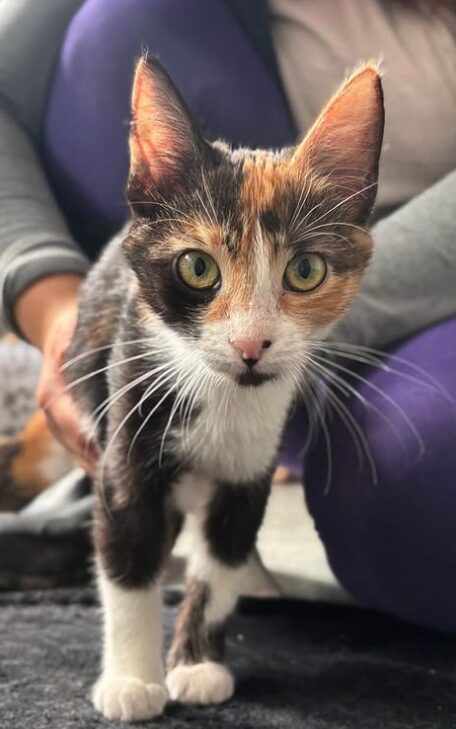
(221, 76)
(393, 545)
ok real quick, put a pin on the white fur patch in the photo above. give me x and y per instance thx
(133, 677)
(238, 432)
(128, 699)
(224, 581)
(203, 683)
(192, 493)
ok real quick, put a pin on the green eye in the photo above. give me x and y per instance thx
(198, 270)
(305, 272)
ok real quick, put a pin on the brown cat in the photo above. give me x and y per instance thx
(190, 348)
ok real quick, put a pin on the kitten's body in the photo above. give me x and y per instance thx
(197, 412)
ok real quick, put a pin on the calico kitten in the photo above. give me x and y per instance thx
(30, 457)
(190, 347)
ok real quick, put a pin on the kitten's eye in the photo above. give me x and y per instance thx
(198, 270)
(305, 272)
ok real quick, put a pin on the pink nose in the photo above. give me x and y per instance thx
(250, 350)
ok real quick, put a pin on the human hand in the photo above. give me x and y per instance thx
(57, 297)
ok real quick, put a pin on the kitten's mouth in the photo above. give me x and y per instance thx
(250, 378)
(246, 377)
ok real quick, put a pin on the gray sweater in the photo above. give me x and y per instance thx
(34, 238)
(412, 280)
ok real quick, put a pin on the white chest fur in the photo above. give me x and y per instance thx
(237, 433)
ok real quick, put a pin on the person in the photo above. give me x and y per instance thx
(256, 74)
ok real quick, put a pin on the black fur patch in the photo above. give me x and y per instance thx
(250, 378)
(234, 517)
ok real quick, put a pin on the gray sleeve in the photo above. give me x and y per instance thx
(411, 282)
(34, 238)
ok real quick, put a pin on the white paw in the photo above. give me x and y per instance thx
(128, 699)
(203, 683)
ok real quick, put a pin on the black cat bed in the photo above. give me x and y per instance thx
(298, 666)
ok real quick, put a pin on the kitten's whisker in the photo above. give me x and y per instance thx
(311, 420)
(302, 198)
(307, 215)
(203, 204)
(347, 415)
(152, 223)
(170, 369)
(378, 364)
(89, 352)
(376, 359)
(151, 412)
(343, 412)
(199, 382)
(105, 406)
(105, 453)
(321, 417)
(337, 224)
(209, 197)
(93, 373)
(306, 235)
(346, 199)
(168, 206)
(206, 377)
(335, 207)
(111, 441)
(174, 409)
(401, 411)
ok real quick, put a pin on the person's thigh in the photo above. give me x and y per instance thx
(393, 545)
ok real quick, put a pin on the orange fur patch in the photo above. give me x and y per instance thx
(36, 441)
(325, 304)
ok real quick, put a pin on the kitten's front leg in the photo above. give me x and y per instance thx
(227, 534)
(132, 538)
(131, 686)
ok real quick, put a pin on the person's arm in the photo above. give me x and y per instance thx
(411, 281)
(41, 267)
(34, 239)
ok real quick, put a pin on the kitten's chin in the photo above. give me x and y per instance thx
(250, 378)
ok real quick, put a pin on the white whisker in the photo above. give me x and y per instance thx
(355, 375)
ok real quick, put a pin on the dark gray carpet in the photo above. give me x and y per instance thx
(298, 666)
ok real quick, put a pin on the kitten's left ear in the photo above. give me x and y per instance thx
(344, 144)
(165, 147)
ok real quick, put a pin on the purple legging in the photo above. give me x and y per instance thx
(392, 545)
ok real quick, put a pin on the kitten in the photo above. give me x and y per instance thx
(190, 348)
(30, 457)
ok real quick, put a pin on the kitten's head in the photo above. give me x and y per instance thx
(247, 256)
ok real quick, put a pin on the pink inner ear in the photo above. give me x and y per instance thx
(159, 131)
(348, 132)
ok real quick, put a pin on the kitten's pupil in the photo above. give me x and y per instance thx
(199, 266)
(304, 268)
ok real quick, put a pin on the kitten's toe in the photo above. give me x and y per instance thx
(203, 683)
(128, 699)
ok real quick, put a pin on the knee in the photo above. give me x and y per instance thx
(393, 544)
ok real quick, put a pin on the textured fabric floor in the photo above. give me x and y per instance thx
(298, 666)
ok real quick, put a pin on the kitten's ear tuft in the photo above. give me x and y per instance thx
(164, 144)
(345, 142)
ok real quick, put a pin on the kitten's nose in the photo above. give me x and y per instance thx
(250, 350)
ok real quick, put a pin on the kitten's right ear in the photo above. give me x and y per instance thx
(345, 143)
(165, 147)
